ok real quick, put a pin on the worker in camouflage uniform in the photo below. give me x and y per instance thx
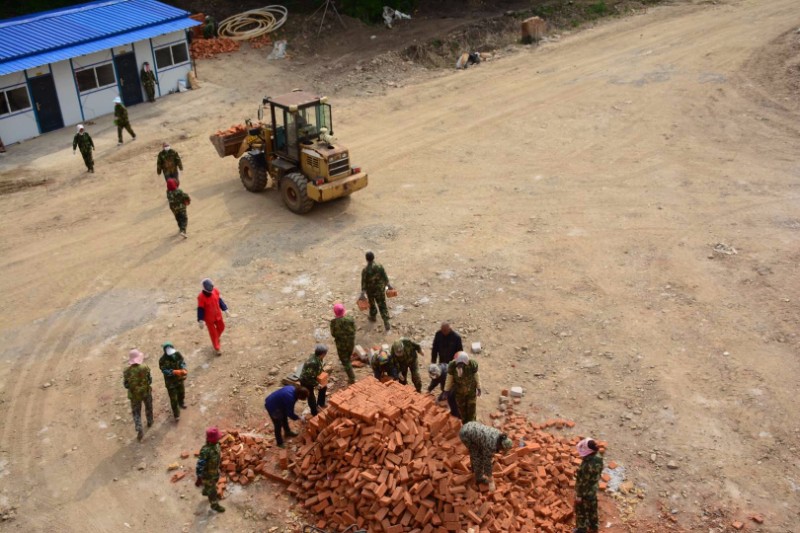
(121, 120)
(343, 331)
(207, 469)
(438, 375)
(374, 283)
(178, 200)
(137, 379)
(83, 141)
(383, 364)
(405, 353)
(586, 483)
(209, 28)
(173, 367)
(169, 162)
(308, 378)
(464, 383)
(483, 442)
(148, 78)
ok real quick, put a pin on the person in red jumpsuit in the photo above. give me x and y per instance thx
(210, 307)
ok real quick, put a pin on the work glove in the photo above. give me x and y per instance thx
(200, 324)
(198, 482)
(227, 314)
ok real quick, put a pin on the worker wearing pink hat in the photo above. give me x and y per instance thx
(343, 331)
(207, 469)
(138, 380)
(586, 484)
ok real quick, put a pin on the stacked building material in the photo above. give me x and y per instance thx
(389, 459)
(206, 48)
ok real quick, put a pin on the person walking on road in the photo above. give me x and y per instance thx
(138, 380)
(464, 384)
(83, 141)
(148, 78)
(343, 331)
(374, 283)
(207, 469)
(313, 376)
(483, 442)
(121, 120)
(173, 367)
(587, 480)
(280, 406)
(169, 163)
(446, 344)
(178, 201)
(210, 307)
(405, 353)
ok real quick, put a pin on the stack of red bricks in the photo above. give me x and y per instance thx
(390, 460)
(243, 458)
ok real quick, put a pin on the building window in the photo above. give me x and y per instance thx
(13, 100)
(171, 55)
(95, 77)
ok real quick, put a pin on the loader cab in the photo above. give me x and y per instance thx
(297, 119)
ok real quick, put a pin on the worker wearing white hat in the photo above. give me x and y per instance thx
(121, 120)
(84, 142)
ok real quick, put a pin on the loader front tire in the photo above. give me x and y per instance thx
(295, 194)
(253, 172)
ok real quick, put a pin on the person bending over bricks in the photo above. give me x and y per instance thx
(464, 384)
(309, 378)
(405, 353)
(438, 375)
(383, 365)
(280, 406)
(483, 442)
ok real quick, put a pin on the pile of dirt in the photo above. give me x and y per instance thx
(389, 459)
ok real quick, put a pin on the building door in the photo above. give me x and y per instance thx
(45, 101)
(130, 88)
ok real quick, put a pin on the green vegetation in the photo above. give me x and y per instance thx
(598, 9)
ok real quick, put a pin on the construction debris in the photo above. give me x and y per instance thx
(390, 460)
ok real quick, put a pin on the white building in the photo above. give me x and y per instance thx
(65, 66)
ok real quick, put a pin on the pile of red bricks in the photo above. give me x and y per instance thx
(389, 459)
(206, 48)
(243, 458)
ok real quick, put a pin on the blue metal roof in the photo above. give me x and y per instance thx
(34, 40)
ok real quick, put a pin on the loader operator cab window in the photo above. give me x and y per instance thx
(307, 124)
(279, 119)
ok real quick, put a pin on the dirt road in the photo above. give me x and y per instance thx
(561, 206)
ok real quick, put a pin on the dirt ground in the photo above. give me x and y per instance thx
(574, 207)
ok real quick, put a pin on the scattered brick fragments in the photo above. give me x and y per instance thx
(390, 460)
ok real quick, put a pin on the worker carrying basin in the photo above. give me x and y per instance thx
(294, 146)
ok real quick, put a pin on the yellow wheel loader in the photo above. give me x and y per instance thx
(293, 149)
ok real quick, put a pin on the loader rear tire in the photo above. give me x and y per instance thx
(295, 194)
(253, 172)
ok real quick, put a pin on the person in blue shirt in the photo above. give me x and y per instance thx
(280, 406)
